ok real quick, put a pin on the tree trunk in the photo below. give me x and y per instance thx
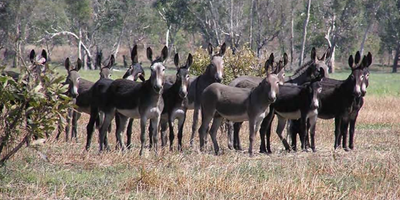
(396, 59)
(291, 35)
(167, 36)
(365, 38)
(251, 24)
(303, 45)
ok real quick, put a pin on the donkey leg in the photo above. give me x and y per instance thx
(155, 124)
(205, 121)
(303, 131)
(94, 116)
(181, 122)
(236, 136)
(337, 131)
(150, 136)
(120, 122)
(279, 131)
(351, 131)
(294, 129)
(129, 134)
(68, 119)
(194, 125)
(265, 130)
(164, 126)
(109, 115)
(75, 117)
(344, 128)
(171, 131)
(142, 134)
(312, 123)
(213, 132)
(229, 127)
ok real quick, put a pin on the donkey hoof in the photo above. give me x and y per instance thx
(346, 149)
(314, 150)
(305, 150)
(230, 147)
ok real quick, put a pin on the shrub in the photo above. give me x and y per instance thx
(29, 108)
(244, 62)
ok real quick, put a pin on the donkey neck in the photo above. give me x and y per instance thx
(207, 74)
(259, 95)
(301, 75)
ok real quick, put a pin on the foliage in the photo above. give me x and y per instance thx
(243, 62)
(30, 108)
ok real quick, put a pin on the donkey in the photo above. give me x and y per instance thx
(357, 105)
(130, 99)
(237, 105)
(293, 102)
(252, 82)
(338, 98)
(316, 67)
(79, 90)
(134, 72)
(213, 74)
(175, 100)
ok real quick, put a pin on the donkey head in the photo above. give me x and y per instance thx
(357, 72)
(216, 68)
(318, 68)
(157, 69)
(73, 77)
(105, 71)
(278, 67)
(365, 82)
(314, 89)
(135, 71)
(271, 84)
(182, 74)
(37, 64)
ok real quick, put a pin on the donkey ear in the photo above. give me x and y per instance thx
(32, 55)
(67, 64)
(271, 58)
(79, 64)
(176, 60)
(313, 54)
(222, 50)
(357, 58)
(364, 62)
(164, 53)
(210, 49)
(44, 55)
(268, 64)
(285, 59)
(189, 61)
(351, 61)
(134, 55)
(112, 62)
(369, 59)
(328, 53)
(149, 54)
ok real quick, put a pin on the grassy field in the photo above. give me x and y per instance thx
(371, 171)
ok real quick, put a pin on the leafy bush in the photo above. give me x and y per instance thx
(29, 108)
(244, 62)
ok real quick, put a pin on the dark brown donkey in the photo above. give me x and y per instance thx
(338, 98)
(316, 67)
(237, 105)
(213, 74)
(134, 72)
(79, 90)
(130, 99)
(175, 101)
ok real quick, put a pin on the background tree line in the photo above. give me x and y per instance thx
(264, 26)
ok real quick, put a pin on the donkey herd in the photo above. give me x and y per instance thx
(298, 100)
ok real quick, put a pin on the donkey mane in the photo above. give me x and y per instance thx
(299, 71)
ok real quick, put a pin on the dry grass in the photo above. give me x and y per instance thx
(370, 171)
